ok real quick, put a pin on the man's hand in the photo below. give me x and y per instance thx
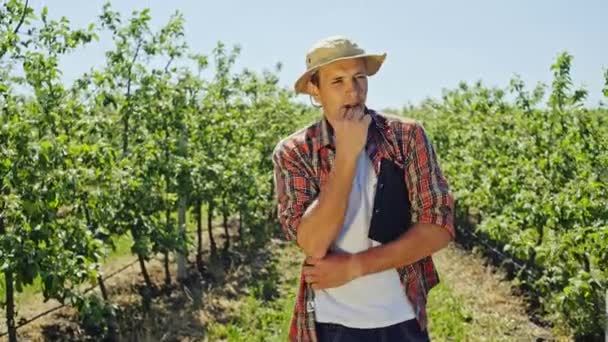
(351, 131)
(331, 271)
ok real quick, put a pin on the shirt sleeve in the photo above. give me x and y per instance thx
(430, 196)
(295, 190)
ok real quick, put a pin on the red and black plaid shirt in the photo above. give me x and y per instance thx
(302, 164)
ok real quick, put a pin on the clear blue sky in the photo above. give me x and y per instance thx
(430, 44)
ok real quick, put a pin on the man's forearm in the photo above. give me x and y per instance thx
(322, 221)
(423, 239)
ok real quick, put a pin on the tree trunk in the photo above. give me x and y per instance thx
(241, 240)
(167, 271)
(183, 202)
(112, 325)
(125, 134)
(272, 210)
(144, 271)
(166, 254)
(142, 265)
(168, 228)
(147, 291)
(199, 235)
(225, 224)
(10, 307)
(182, 273)
(210, 228)
(10, 296)
(103, 289)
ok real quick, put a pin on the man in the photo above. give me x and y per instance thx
(358, 283)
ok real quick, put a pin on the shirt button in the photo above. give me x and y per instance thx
(377, 211)
(381, 185)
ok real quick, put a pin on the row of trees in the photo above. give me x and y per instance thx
(532, 176)
(129, 148)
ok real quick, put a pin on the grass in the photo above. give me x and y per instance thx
(122, 247)
(449, 319)
(260, 319)
(264, 314)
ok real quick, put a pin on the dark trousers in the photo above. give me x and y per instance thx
(405, 331)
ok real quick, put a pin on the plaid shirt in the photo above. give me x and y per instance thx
(302, 164)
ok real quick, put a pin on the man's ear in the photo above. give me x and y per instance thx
(313, 90)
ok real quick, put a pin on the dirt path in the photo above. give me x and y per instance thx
(494, 312)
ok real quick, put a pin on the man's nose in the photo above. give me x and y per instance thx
(353, 91)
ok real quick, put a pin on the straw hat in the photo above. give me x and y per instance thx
(331, 49)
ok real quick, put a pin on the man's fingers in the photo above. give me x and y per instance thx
(360, 113)
(310, 261)
(310, 279)
(353, 113)
(348, 115)
(366, 118)
(344, 112)
(308, 270)
(311, 271)
(311, 274)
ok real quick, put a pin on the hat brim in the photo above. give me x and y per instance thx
(373, 64)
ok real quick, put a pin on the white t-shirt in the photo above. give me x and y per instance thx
(374, 300)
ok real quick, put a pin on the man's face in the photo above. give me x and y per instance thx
(342, 84)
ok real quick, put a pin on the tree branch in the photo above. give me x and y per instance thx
(22, 18)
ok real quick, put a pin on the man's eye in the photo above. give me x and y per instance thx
(336, 81)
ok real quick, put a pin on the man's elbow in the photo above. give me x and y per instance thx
(436, 235)
(309, 238)
(446, 236)
(311, 248)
